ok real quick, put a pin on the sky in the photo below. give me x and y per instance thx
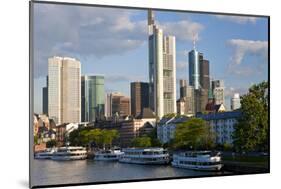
(113, 42)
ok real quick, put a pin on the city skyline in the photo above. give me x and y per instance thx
(239, 57)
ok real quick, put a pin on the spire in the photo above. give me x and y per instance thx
(150, 17)
(193, 41)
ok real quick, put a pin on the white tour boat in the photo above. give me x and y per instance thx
(70, 153)
(198, 160)
(46, 154)
(145, 156)
(108, 155)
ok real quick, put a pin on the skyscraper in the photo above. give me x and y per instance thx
(235, 102)
(199, 78)
(64, 90)
(218, 91)
(162, 69)
(119, 104)
(92, 98)
(194, 69)
(139, 97)
(183, 84)
(45, 98)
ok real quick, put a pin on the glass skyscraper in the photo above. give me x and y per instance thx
(92, 98)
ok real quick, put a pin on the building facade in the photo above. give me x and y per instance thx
(235, 102)
(139, 97)
(162, 69)
(118, 105)
(218, 91)
(92, 98)
(64, 89)
(45, 98)
(223, 125)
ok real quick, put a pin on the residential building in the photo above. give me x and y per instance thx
(139, 126)
(235, 102)
(92, 98)
(64, 89)
(139, 97)
(167, 127)
(223, 125)
(162, 69)
(63, 131)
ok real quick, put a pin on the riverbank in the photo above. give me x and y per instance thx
(246, 164)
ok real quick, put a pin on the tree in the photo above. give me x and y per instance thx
(36, 141)
(251, 133)
(142, 142)
(155, 142)
(108, 136)
(194, 134)
(51, 143)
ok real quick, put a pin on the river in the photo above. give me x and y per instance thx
(49, 172)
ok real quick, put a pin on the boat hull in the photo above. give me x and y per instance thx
(199, 168)
(69, 158)
(143, 162)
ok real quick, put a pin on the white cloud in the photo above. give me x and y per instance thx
(83, 31)
(183, 29)
(241, 50)
(238, 19)
(247, 47)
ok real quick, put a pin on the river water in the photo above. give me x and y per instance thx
(49, 172)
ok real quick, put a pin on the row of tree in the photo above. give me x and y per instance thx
(102, 138)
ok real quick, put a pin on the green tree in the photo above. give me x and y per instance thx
(251, 133)
(107, 136)
(36, 140)
(155, 142)
(51, 143)
(142, 142)
(195, 134)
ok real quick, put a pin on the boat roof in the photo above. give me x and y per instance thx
(142, 149)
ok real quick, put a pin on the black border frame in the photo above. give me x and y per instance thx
(31, 87)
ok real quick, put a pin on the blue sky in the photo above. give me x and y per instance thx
(113, 42)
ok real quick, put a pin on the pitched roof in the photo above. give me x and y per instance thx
(146, 113)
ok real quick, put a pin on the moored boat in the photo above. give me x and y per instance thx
(70, 153)
(144, 156)
(46, 154)
(198, 160)
(108, 155)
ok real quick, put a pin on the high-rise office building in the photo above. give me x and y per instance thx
(45, 98)
(194, 69)
(162, 69)
(199, 78)
(235, 102)
(64, 90)
(139, 97)
(218, 91)
(92, 98)
(190, 100)
(118, 104)
(183, 85)
(204, 74)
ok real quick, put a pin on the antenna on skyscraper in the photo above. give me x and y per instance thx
(193, 40)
